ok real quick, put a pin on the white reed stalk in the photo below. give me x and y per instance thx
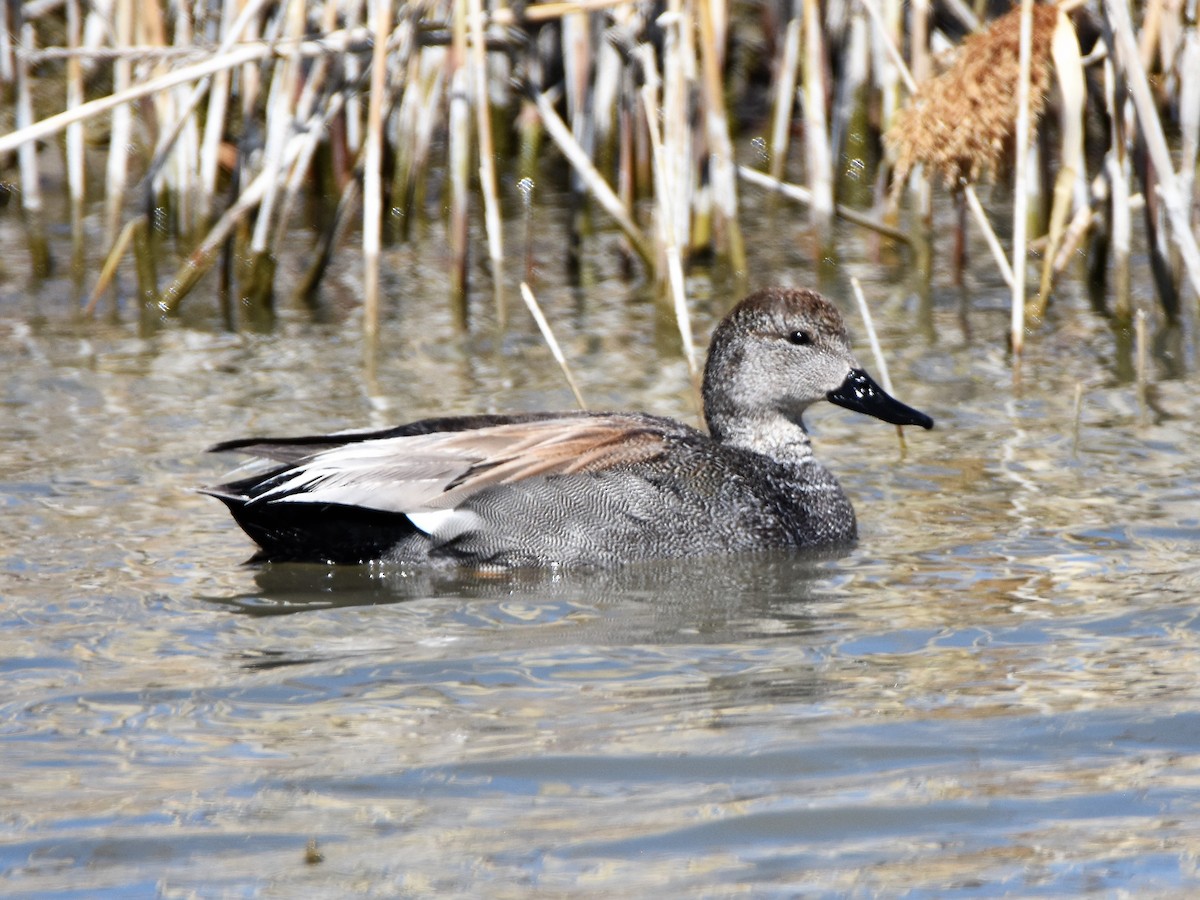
(483, 128)
(847, 100)
(722, 168)
(576, 53)
(459, 157)
(1021, 176)
(1189, 113)
(548, 336)
(561, 135)
(309, 138)
(785, 95)
(989, 235)
(606, 88)
(75, 173)
(7, 66)
(1142, 342)
(1069, 69)
(281, 118)
(876, 350)
(677, 79)
(334, 44)
(232, 26)
(214, 123)
(1117, 12)
(719, 14)
(664, 185)
(31, 192)
(816, 128)
(885, 30)
(109, 269)
(918, 31)
(965, 15)
(122, 121)
(1072, 236)
(1180, 19)
(187, 147)
(802, 195)
(1116, 166)
(547, 12)
(354, 13)
(1151, 23)
(373, 173)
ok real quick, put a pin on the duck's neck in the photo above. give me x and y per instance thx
(767, 432)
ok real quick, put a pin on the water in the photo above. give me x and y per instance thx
(995, 692)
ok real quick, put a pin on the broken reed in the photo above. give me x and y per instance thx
(217, 119)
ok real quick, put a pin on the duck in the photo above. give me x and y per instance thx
(550, 489)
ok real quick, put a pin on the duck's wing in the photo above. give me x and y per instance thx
(428, 471)
(294, 449)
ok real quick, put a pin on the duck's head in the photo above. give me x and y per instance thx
(775, 354)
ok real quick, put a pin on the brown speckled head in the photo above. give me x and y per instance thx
(775, 354)
(778, 311)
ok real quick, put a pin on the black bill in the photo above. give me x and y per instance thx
(859, 393)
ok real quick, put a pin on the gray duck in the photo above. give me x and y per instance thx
(584, 488)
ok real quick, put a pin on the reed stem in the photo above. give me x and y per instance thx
(459, 162)
(341, 42)
(785, 95)
(548, 336)
(1021, 176)
(483, 130)
(1117, 13)
(603, 194)
(816, 130)
(373, 174)
(803, 195)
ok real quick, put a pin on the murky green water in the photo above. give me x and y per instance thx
(996, 692)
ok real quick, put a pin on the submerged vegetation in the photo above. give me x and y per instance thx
(221, 124)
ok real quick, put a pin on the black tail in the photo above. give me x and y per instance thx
(324, 532)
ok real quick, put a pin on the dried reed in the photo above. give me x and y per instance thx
(876, 350)
(1069, 66)
(483, 128)
(1177, 205)
(373, 174)
(961, 122)
(785, 96)
(243, 110)
(1023, 174)
(548, 336)
(820, 157)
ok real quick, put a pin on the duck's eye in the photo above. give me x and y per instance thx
(799, 338)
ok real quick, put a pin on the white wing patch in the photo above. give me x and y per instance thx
(391, 475)
(444, 524)
(427, 476)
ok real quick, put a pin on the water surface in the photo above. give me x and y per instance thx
(995, 692)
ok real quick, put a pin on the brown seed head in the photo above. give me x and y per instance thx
(960, 122)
